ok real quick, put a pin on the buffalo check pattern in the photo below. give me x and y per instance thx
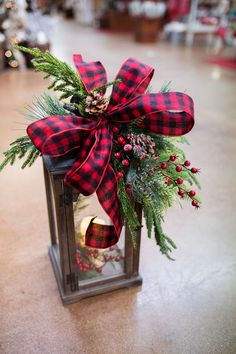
(91, 139)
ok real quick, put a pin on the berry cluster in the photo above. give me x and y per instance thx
(85, 265)
(85, 261)
(139, 146)
(179, 181)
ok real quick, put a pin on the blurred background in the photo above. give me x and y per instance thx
(176, 22)
(186, 306)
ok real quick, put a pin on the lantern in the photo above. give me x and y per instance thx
(83, 271)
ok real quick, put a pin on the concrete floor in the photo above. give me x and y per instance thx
(184, 307)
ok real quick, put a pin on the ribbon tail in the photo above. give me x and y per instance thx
(104, 236)
(87, 176)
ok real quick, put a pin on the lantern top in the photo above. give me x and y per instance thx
(59, 165)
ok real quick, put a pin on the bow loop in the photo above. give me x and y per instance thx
(93, 74)
(135, 78)
(57, 135)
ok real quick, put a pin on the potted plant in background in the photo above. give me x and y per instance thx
(147, 19)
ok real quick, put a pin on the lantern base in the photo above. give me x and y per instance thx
(93, 288)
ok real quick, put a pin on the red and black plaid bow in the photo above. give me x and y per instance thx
(168, 114)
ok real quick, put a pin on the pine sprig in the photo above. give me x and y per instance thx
(165, 87)
(44, 106)
(65, 79)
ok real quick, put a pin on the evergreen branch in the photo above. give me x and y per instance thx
(164, 242)
(64, 77)
(148, 215)
(21, 147)
(165, 87)
(103, 87)
(129, 213)
(45, 106)
(195, 180)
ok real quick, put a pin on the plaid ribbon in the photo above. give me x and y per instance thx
(169, 113)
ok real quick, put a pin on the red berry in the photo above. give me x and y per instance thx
(167, 180)
(119, 175)
(187, 163)
(121, 140)
(191, 193)
(173, 158)
(164, 166)
(128, 147)
(194, 170)
(99, 270)
(195, 204)
(117, 155)
(106, 258)
(115, 130)
(179, 168)
(179, 180)
(128, 190)
(181, 192)
(125, 163)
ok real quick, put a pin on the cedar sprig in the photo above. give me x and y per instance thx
(20, 148)
(65, 79)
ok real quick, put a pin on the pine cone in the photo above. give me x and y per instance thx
(142, 144)
(95, 103)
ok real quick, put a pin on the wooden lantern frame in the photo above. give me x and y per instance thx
(63, 253)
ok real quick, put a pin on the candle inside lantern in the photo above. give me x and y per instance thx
(96, 257)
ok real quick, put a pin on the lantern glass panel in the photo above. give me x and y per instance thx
(94, 263)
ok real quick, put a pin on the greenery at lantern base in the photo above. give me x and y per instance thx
(151, 169)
